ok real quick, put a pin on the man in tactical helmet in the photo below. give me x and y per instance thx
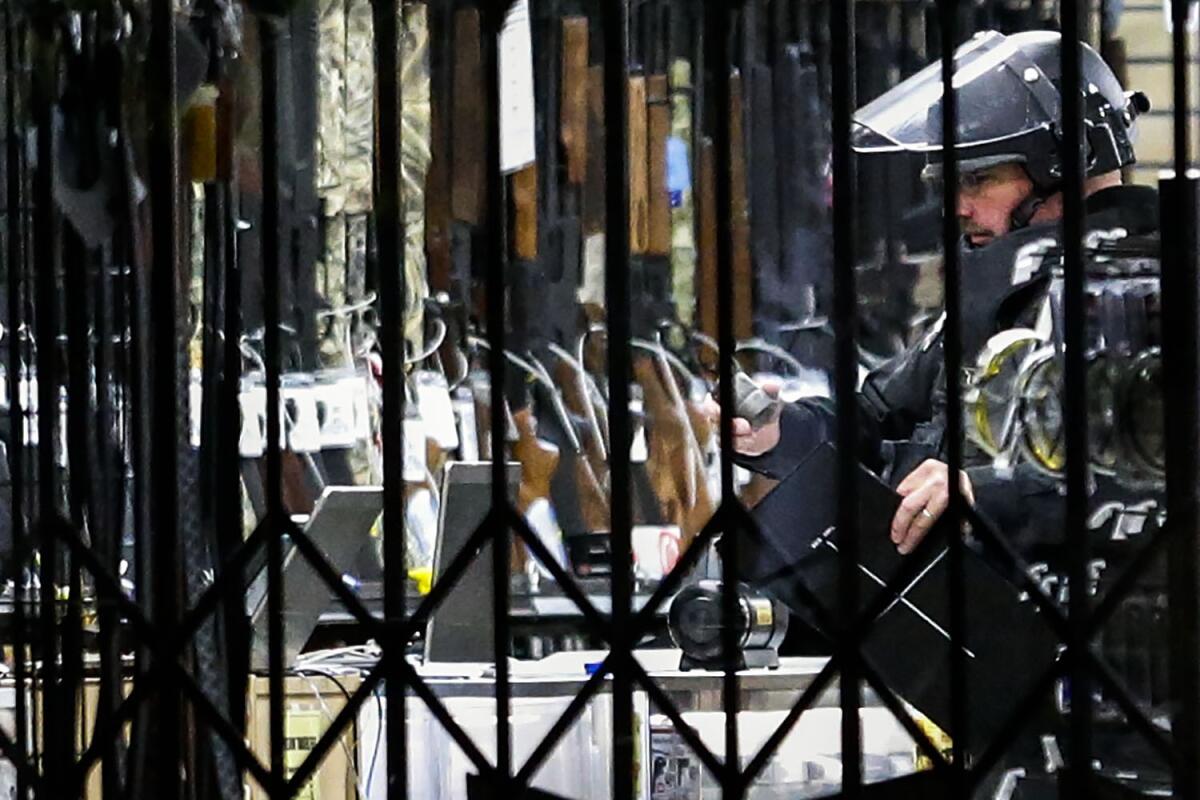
(1010, 154)
(1010, 157)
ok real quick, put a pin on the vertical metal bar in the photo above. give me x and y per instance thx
(110, 504)
(46, 325)
(110, 457)
(269, 32)
(615, 22)
(492, 16)
(1075, 398)
(718, 20)
(1181, 419)
(76, 267)
(390, 233)
(204, 547)
(17, 278)
(228, 486)
(842, 73)
(952, 350)
(138, 419)
(166, 742)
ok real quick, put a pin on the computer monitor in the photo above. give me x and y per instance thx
(461, 628)
(340, 527)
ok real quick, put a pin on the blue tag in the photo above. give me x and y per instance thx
(679, 174)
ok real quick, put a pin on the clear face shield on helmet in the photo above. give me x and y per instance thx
(1002, 97)
(1009, 110)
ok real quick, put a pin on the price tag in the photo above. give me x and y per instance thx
(543, 522)
(61, 458)
(433, 399)
(414, 450)
(591, 290)
(421, 514)
(336, 415)
(517, 124)
(195, 407)
(357, 387)
(638, 452)
(252, 442)
(304, 428)
(468, 434)
(27, 389)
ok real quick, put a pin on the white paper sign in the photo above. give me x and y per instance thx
(517, 124)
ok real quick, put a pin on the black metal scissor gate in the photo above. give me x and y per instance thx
(128, 563)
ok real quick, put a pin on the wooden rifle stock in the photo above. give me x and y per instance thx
(658, 123)
(539, 461)
(676, 468)
(698, 431)
(525, 221)
(574, 99)
(592, 499)
(572, 383)
(639, 178)
(470, 122)
(743, 273)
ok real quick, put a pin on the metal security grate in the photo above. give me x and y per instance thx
(124, 180)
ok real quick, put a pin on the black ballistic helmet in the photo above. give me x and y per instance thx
(1009, 92)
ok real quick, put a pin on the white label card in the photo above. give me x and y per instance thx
(638, 451)
(516, 90)
(592, 288)
(304, 420)
(414, 450)
(195, 407)
(337, 412)
(433, 399)
(468, 437)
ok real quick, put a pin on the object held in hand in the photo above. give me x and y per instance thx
(753, 403)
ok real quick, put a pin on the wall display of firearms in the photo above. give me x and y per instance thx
(553, 265)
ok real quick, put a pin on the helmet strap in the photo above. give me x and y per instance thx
(1023, 213)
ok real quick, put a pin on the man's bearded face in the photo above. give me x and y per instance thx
(987, 199)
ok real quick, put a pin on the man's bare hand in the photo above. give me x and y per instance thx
(746, 440)
(926, 493)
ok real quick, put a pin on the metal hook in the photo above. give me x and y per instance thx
(430, 349)
(767, 348)
(350, 309)
(586, 384)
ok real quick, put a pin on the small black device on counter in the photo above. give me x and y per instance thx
(695, 625)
